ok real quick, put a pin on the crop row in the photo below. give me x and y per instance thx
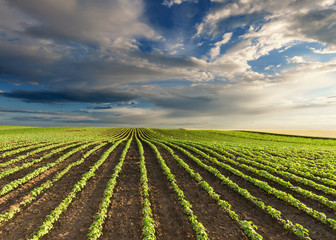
(187, 207)
(21, 149)
(265, 174)
(45, 186)
(280, 169)
(296, 165)
(148, 221)
(247, 226)
(288, 198)
(14, 184)
(56, 213)
(96, 228)
(297, 229)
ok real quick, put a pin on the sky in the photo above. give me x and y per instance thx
(220, 64)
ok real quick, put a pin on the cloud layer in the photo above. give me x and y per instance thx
(143, 63)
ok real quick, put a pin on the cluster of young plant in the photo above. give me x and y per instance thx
(96, 228)
(20, 149)
(288, 198)
(321, 199)
(148, 221)
(4, 217)
(300, 166)
(187, 207)
(297, 229)
(286, 166)
(14, 184)
(123, 133)
(248, 227)
(290, 173)
(299, 179)
(56, 213)
(32, 153)
(6, 146)
(11, 170)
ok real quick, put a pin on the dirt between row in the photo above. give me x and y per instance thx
(309, 202)
(268, 227)
(124, 219)
(17, 195)
(217, 223)
(75, 222)
(10, 157)
(170, 220)
(33, 215)
(317, 230)
(294, 183)
(11, 149)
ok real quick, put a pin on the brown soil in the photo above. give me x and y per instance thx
(29, 158)
(75, 222)
(218, 224)
(309, 202)
(49, 173)
(171, 221)
(124, 219)
(268, 227)
(306, 187)
(33, 215)
(317, 230)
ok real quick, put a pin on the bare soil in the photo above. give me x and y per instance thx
(124, 219)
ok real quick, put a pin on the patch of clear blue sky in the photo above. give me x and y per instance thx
(281, 57)
(176, 24)
(179, 16)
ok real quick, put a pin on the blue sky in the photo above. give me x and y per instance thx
(168, 63)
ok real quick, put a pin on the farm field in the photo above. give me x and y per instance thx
(140, 183)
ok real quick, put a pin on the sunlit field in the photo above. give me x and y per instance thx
(140, 183)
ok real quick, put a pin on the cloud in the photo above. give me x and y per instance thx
(60, 119)
(73, 95)
(278, 25)
(95, 22)
(215, 51)
(170, 3)
(319, 25)
(6, 110)
(296, 59)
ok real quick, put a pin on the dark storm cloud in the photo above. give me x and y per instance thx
(74, 95)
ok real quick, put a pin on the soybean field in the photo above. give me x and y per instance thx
(142, 183)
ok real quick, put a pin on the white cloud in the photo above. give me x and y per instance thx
(249, 7)
(215, 51)
(170, 3)
(296, 59)
(287, 23)
(98, 22)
